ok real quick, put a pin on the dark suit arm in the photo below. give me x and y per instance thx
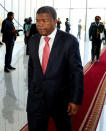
(76, 83)
(30, 71)
(5, 29)
(105, 33)
(30, 63)
(90, 31)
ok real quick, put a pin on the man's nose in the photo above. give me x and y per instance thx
(40, 23)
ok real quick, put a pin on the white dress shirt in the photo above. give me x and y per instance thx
(42, 43)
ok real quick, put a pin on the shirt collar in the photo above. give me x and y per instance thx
(97, 24)
(52, 35)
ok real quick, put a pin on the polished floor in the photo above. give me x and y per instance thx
(13, 90)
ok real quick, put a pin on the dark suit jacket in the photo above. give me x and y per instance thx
(67, 24)
(7, 27)
(95, 30)
(33, 30)
(63, 77)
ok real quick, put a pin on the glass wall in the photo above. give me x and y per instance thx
(75, 10)
(79, 12)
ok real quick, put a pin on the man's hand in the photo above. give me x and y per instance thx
(14, 32)
(72, 109)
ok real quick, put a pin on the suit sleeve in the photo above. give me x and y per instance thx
(76, 83)
(90, 31)
(30, 71)
(6, 28)
(105, 33)
(30, 65)
(3, 29)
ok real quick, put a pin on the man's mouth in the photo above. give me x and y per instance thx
(42, 30)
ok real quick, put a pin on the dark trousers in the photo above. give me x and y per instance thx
(8, 55)
(95, 51)
(39, 121)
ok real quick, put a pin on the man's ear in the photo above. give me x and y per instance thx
(55, 21)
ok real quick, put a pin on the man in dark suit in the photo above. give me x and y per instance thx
(33, 30)
(57, 90)
(9, 37)
(59, 23)
(96, 32)
(67, 25)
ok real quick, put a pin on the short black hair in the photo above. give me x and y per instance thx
(67, 19)
(10, 14)
(47, 9)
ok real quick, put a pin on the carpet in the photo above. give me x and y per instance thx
(94, 96)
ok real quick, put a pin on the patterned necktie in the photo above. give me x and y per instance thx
(46, 52)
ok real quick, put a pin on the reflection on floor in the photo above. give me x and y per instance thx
(13, 91)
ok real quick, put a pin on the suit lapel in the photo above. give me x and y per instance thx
(51, 57)
(37, 60)
(53, 52)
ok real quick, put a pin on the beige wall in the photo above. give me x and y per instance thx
(0, 26)
(0, 21)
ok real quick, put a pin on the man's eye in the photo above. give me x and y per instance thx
(37, 20)
(45, 20)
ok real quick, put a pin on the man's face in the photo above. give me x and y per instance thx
(45, 24)
(11, 17)
(97, 21)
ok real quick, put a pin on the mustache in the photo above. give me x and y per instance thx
(42, 29)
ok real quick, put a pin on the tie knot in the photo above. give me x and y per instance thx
(46, 39)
